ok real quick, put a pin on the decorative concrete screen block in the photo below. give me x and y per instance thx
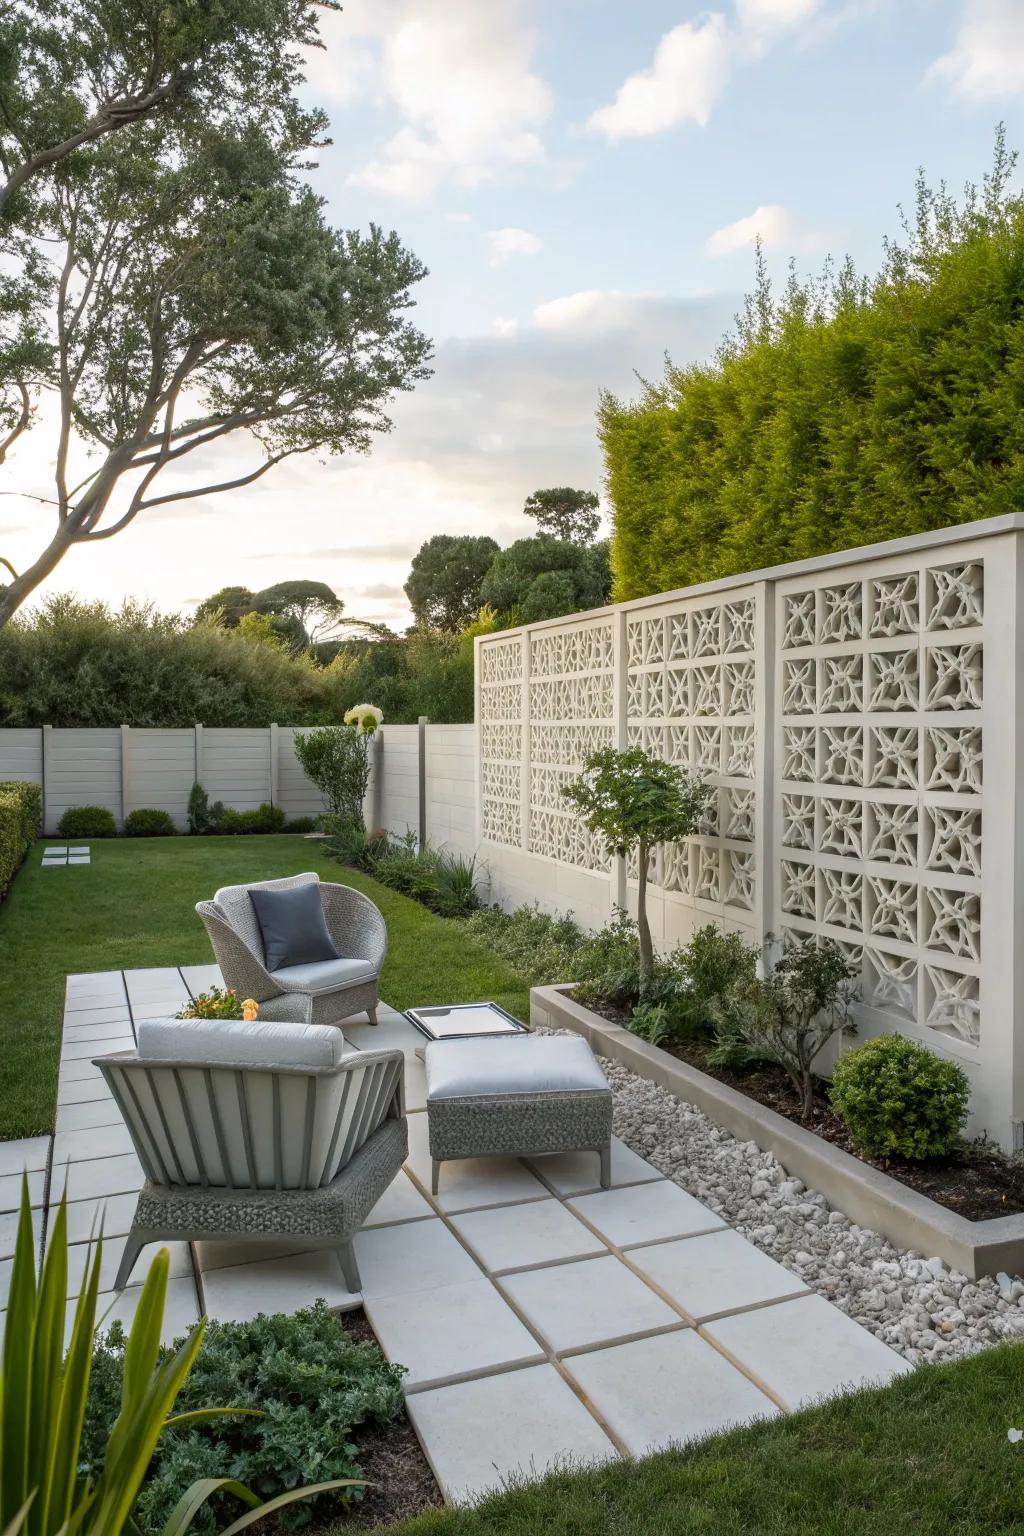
(879, 737)
(502, 726)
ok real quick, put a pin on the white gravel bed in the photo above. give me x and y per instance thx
(923, 1309)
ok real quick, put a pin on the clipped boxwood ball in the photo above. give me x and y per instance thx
(898, 1099)
(87, 821)
(147, 821)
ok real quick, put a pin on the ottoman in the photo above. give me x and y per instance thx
(515, 1097)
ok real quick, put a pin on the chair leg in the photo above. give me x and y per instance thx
(435, 1174)
(134, 1245)
(605, 1155)
(349, 1267)
(371, 1014)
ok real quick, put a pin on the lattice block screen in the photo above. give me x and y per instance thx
(571, 714)
(501, 715)
(691, 699)
(879, 750)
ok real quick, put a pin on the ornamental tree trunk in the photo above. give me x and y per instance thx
(643, 926)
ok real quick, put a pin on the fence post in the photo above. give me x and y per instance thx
(125, 760)
(421, 742)
(199, 754)
(275, 763)
(44, 763)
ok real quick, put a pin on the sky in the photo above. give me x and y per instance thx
(585, 180)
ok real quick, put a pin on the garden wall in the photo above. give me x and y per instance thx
(859, 716)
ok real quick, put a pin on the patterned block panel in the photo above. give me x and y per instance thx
(881, 689)
(502, 729)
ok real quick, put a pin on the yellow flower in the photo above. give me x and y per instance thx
(250, 1010)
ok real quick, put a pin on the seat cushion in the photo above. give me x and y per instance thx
(520, 1066)
(234, 1043)
(293, 926)
(324, 975)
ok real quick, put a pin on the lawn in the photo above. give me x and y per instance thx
(927, 1455)
(133, 906)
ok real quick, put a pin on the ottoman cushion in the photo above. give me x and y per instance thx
(512, 1068)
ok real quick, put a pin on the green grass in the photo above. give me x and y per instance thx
(133, 906)
(927, 1455)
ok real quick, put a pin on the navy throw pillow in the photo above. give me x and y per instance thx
(293, 926)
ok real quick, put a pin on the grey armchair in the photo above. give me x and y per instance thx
(257, 1130)
(324, 993)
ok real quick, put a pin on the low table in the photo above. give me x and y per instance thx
(516, 1098)
(464, 1021)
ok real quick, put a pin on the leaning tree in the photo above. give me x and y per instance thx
(179, 295)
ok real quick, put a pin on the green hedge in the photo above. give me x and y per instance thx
(847, 413)
(21, 816)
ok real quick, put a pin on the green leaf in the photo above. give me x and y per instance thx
(194, 1498)
(292, 1497)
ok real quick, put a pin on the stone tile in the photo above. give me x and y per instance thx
(79, 858)
(180, 1314)
(415, 1084)
(521, 1236)
(240, 1292)
(417, 1256)
(593, 1301)
(29, 1153)
(151, 976)
(81, 1069)
(718, 1273)
(6, 1269)
(85, 1050)
(85, 1088)
(98, 1024)
(10, 1189)
(805, 1349)
(97, 1177)
(236, 1251)
(392, 1032)
(452, 1332)
(664, 1391)
(78, 849)
(479, 1433)
(469, 1182)
(113, 1248)
(84, 1002)
(576, 1173)
(86, 1217)
(401, 1201)
(200, 978)
(76, 1117)
(646, 1213)
(9, 1230)
(94, 981)
(94, 1141)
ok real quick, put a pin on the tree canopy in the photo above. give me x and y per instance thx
(565, 513)
(543, 577)
(445, 583)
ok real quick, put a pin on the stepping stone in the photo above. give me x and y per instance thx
(658, 1392)
(523, 1236)
(719, 1273)
(72, 852)
(805, 1349)
(645, 1214)
(593, 1301)
(450, 1333)
(241, 1292)
(77, 858)
(519, 1423)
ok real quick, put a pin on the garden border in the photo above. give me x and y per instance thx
(865, 1194)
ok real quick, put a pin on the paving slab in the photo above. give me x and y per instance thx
(718, 1273)
(83, 1088)
(9, 1230)
(233, 1252)
(79, 1019)
(238, 1293)
(645, 1213)
(523, 1236)
(112, 1213)
(79, 1255)
(467, 1183)
(577, 1173)
(664, 1391)
(28, 1154)
(200, 978)
(181, 1312)
(451, 1332)
(401, 1201)
(10, 1189)
(391, 1032)
(85, 1050)
(81, 1070)
(94, 981)
(417, 1256)
(518, 1424)
(592, 1301)
(805, 1349)
(93, 1141)
(76, 1117)
(97, 1177)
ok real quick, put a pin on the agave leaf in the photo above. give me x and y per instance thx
(203, 1415)
(193, 1498)
(16, 1386)
(292, 1497)
(74, 1391)
(47, 1364)
(15, 1524)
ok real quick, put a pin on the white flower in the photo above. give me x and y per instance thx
(365, 717)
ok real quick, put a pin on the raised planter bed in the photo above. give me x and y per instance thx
(865, 1194)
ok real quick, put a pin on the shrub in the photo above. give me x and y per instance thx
(456, 884)
(148, 822)
(202, 816)
(87, 821)
(709, 964)
(898, 1099)
(21, 813)
(337, 760)
(541, 948)
(229, 823)
(300, 824)
(313, 1386)
(787, 1016)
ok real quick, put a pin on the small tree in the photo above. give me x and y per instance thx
(636, 802)
(337, 759)
(565, 513)
(789, 1015)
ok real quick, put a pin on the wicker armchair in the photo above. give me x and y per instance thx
(257, 1130)
(324, 993)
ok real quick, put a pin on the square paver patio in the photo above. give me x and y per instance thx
(593, 1301)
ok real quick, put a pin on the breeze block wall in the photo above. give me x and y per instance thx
(859, 717)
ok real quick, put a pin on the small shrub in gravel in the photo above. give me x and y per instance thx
(898, 1099)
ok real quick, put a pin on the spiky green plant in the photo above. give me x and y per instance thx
(43, 1394)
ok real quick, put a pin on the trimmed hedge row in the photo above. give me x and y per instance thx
(21, 817)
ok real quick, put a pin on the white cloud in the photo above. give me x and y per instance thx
(770, 15)
(470, 106)
(593, 311)
(987, 57)
(503, 244)
(501, 326)
(689, 71)
(776, 226)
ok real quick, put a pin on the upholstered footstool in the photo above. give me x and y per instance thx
(516, 1097)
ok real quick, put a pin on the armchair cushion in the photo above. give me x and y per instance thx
(324, 975)
(293, 926)
(233, 1043)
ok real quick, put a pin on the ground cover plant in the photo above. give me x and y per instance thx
(445, 881)
(133, 906)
